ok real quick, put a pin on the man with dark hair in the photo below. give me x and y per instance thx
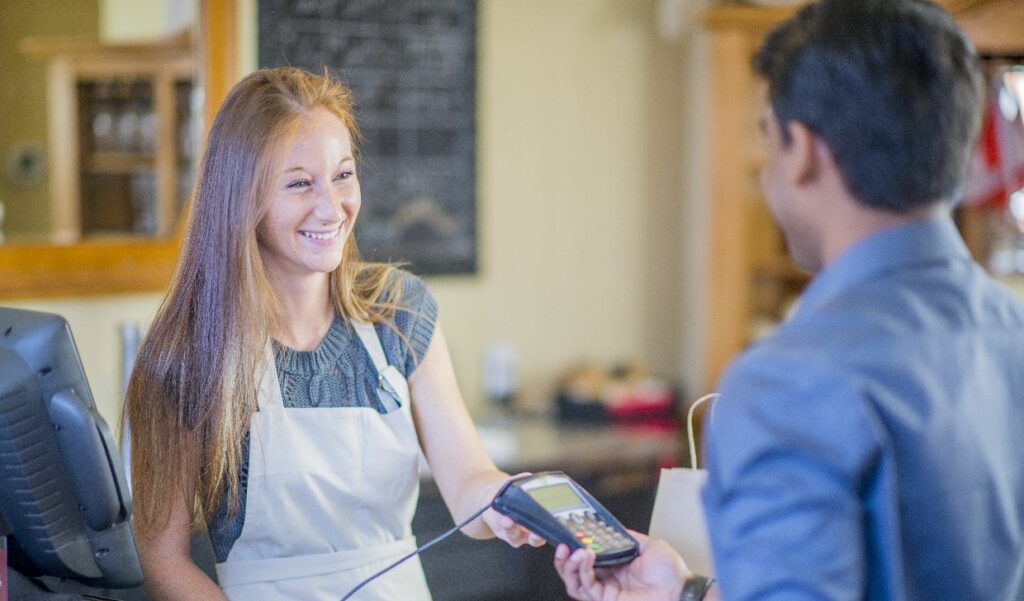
(869, 449)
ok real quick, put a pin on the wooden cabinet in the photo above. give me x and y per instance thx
(121, 134)
(750, 279)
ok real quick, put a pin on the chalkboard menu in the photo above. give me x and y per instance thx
(411, 66)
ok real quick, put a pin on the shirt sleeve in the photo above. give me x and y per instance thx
(789, 444)
(416, 321)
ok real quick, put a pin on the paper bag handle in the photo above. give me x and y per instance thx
(689, 424)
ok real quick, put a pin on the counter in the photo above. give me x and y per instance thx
(536, 443)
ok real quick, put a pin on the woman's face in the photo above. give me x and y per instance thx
(313, 203)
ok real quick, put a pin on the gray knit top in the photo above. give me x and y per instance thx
(338, 373)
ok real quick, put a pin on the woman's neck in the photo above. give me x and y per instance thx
(306, 312)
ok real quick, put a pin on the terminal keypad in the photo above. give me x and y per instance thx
(594, 533)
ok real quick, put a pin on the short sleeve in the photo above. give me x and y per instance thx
(415, 319)
(787, 449)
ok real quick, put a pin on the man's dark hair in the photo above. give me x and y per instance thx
(893, 87)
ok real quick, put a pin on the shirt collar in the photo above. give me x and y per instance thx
(927, 240)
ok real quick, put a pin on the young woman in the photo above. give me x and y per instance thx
(286, 387)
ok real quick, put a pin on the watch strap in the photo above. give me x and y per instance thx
(695, 588)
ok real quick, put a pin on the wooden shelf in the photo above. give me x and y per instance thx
(752, 18)
(151, 76)
(755, 18)
(58, 266)
(109, 162)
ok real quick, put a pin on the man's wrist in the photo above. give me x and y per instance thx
(696, 588)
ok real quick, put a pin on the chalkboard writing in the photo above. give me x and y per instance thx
(411, 67)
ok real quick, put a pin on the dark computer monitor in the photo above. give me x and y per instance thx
(65, 505)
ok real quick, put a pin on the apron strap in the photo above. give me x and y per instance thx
(392, 388)
(368, 335)
(269, 396)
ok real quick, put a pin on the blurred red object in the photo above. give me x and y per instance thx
(997, 167)
(624, 394)
(649, 400)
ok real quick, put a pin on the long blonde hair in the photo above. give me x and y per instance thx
(192, 393)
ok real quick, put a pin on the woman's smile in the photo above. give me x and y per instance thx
(325, 236)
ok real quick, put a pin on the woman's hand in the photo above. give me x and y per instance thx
(509, 531)
(505, 527)
(657, 574)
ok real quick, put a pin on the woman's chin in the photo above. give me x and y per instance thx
(327, 267)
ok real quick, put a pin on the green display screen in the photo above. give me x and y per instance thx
(557, 497)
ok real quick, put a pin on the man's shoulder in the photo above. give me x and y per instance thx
(785, 362)
(908, 306)
(894, 324)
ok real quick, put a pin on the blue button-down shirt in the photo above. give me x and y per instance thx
(873, 448)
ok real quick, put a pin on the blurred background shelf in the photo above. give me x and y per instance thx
(119, 162)
(121, 131)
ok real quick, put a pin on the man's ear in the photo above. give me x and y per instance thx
(803, 162)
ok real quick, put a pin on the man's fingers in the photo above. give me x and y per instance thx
(588, 578)
(571, 576)
(561, 558)
(589, 587)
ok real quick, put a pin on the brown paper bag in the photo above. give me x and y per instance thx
(679, 517)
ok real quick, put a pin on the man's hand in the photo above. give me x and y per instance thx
(657, 574)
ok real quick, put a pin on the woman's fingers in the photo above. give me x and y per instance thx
(523, 536)
(515, 535)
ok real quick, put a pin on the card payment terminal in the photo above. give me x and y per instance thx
(555, 507)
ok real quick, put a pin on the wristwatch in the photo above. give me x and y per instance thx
(695, 588)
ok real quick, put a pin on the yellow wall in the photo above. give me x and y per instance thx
(588, 183)
(135, 20)
(94, 322)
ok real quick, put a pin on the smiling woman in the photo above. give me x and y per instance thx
(276, 331)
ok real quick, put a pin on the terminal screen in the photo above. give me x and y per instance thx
(557, 497)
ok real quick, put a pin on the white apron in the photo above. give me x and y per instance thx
(331, 495)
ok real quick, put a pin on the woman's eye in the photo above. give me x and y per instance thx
(343, 175)
(301, 183)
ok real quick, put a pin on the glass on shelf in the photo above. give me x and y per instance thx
(143, 106)
(186, 120)
(102, 117)
(184, 185)
(143, 202)
(147, 132)
(126, 121)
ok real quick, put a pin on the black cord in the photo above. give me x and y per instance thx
(418, 550)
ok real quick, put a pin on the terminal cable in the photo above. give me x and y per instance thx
(420, 549)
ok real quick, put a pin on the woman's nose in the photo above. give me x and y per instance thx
(332, 204)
